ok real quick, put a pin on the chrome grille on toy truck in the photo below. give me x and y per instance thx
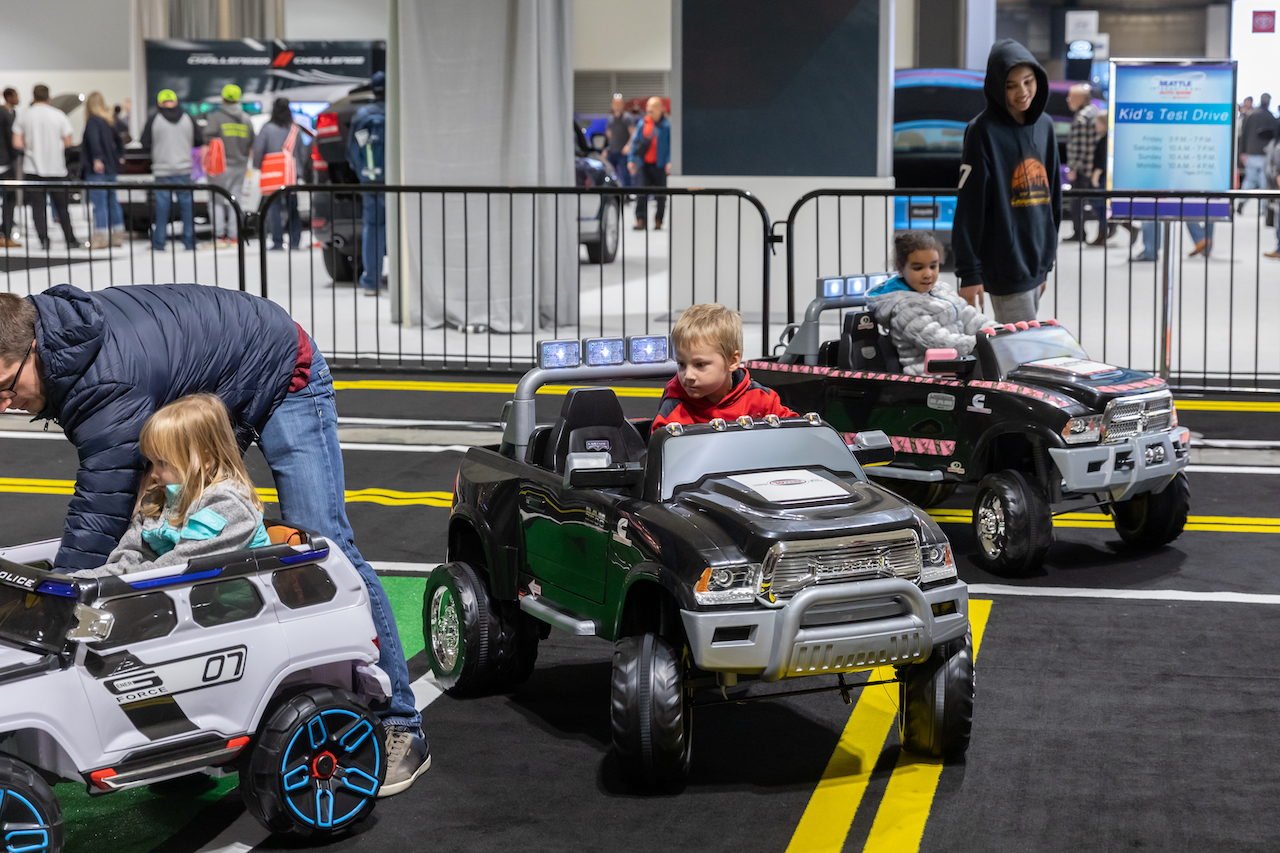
(1127, 417)
(791, 566)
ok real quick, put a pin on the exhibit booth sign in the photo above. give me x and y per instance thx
(1172, 127)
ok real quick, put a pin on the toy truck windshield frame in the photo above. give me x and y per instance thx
(699, 452)
(1013, 351)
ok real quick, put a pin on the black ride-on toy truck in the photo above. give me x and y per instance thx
(259, 660)
(1028, 418)
(709, 555)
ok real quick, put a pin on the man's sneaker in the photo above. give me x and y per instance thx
(408, 757)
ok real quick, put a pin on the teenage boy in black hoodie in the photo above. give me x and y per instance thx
(1009, 208)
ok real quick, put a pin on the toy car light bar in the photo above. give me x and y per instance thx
(850, 285)
(602, 352)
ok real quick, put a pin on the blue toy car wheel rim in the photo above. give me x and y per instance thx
(22, 828)
(331, 768)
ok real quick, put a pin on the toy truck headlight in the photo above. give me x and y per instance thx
(604, 351)
(728, 584)
(647, 349)
(553, 354)
(1083, 430)
(91, 624)
(936, 563)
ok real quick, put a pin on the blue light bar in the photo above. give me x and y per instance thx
(558, 354)
(602, 351)
(62, 588)
(170, 580)
(830, 287)
(647, 349)
(855, 285)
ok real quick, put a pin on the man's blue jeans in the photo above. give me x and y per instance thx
(300, 443)
(373, 241)
(619, 163)
(1201, 231)
(106, 207)
(163, 199)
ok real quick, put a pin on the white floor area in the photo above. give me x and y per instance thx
(1219, 310)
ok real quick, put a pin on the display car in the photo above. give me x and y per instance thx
(710, 556)
(262, 661)
(1028, 418)
(336, 216)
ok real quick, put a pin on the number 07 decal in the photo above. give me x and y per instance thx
(965, 169)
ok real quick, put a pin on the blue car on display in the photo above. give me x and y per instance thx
(931, 108)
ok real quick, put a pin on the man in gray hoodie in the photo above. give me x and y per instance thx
(170, 135)
(229, 123)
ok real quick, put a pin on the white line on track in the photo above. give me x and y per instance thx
(415, 568)
(1233, 469)
(409, 422)
(407, 448)
(1126, 594)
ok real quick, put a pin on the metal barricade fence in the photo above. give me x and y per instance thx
(47, 247)
(474, 276)
(1196, 318)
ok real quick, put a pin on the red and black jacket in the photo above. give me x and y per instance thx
(746, 398)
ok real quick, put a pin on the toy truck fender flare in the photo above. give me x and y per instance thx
(1024, 429)
(41, 746)
(470, 532)
(650, 580)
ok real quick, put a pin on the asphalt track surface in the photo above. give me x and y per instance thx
(1102, 722)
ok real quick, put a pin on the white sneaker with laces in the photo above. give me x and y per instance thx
(408, 757)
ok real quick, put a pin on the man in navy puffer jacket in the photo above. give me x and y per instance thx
(100, 363)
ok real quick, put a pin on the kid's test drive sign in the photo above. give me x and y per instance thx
(1172, 126)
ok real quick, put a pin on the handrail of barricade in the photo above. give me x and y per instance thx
(462, 190)
(950, 192)
(1165, 285)
(131, 187)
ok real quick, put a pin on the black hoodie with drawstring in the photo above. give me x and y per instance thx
(1010, 202)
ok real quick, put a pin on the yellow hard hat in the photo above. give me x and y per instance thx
(231, 93)
(166, 95)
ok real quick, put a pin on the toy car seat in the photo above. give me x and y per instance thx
(591, 420)
(862, 347)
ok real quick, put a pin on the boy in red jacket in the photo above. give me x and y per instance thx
(711, 381)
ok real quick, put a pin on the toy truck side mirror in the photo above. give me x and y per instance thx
(947, 362)
(870, 447)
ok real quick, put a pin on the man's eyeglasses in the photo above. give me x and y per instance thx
(9, 393)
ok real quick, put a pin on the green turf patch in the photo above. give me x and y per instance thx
(406, 603)
(135, 820)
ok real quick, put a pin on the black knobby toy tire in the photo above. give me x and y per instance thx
(923, 495)
(337, 264)
(278, 781)
(1025, 523)
(1152, 520)
(651, 724)
(28, 799)
(935, 701)
(473, 643)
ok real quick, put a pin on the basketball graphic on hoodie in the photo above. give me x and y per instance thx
(1030, 184)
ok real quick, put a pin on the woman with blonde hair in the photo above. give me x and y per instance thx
(101, 156)
(197, 498)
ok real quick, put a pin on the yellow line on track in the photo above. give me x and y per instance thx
(475, 387)
(510, 387)
(1226, 406)
(1202, 523)
(825, 824)
(900, 820)
(386, 497)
